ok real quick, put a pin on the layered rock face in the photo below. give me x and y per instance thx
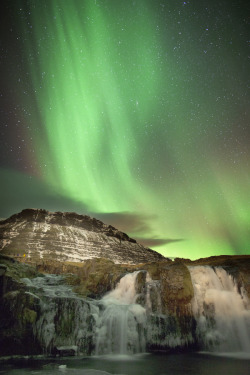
(39, 234)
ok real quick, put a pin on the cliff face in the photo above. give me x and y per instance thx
(39, 234)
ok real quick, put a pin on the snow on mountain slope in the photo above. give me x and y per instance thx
(40, 234)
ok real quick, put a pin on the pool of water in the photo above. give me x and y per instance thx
(143, 364)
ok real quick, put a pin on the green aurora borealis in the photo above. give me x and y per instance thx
(136, 113)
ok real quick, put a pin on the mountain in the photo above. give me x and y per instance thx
(36, 234)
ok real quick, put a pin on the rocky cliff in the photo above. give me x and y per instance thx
(38, 234)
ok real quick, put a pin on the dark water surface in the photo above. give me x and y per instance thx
(148, 364)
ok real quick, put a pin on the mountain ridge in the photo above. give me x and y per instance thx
(68, 236)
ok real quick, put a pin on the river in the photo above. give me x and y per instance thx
(142, 364)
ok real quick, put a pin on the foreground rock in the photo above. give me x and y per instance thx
(38, 234)
(63, 308)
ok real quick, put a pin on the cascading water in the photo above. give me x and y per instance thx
(64, 320)
(121, 326)
(222, 313)
(131, 317)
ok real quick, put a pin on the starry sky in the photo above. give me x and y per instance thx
(135, 112)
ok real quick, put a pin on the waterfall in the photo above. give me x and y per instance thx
(133, 317)
(121, 326)
(64, 320)
(221, 311)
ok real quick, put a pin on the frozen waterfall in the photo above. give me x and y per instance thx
(132, 318)
(63, 319)
(221, 311)
(121, 326)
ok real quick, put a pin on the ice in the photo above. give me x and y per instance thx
(221, 311)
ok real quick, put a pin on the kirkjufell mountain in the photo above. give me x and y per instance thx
(40, 234)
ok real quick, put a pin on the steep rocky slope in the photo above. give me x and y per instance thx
(38, 234)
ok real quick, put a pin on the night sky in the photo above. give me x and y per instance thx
(134, 112)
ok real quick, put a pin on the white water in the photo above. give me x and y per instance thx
(222, 313)
(121, 326)
(64, 320)
(50, 286)
(117, 324)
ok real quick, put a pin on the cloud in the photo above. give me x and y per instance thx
(135, 225)
(153, 242)
(19, 191)
(126, 221)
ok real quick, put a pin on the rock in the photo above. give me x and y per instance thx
(18, 313)
(3, 269)
(35, 235)
(65, 351)
(141, 281)
(170, 294)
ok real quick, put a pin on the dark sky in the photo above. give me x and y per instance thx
(135, 112)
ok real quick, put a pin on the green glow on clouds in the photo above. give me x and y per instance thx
(125, 129)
